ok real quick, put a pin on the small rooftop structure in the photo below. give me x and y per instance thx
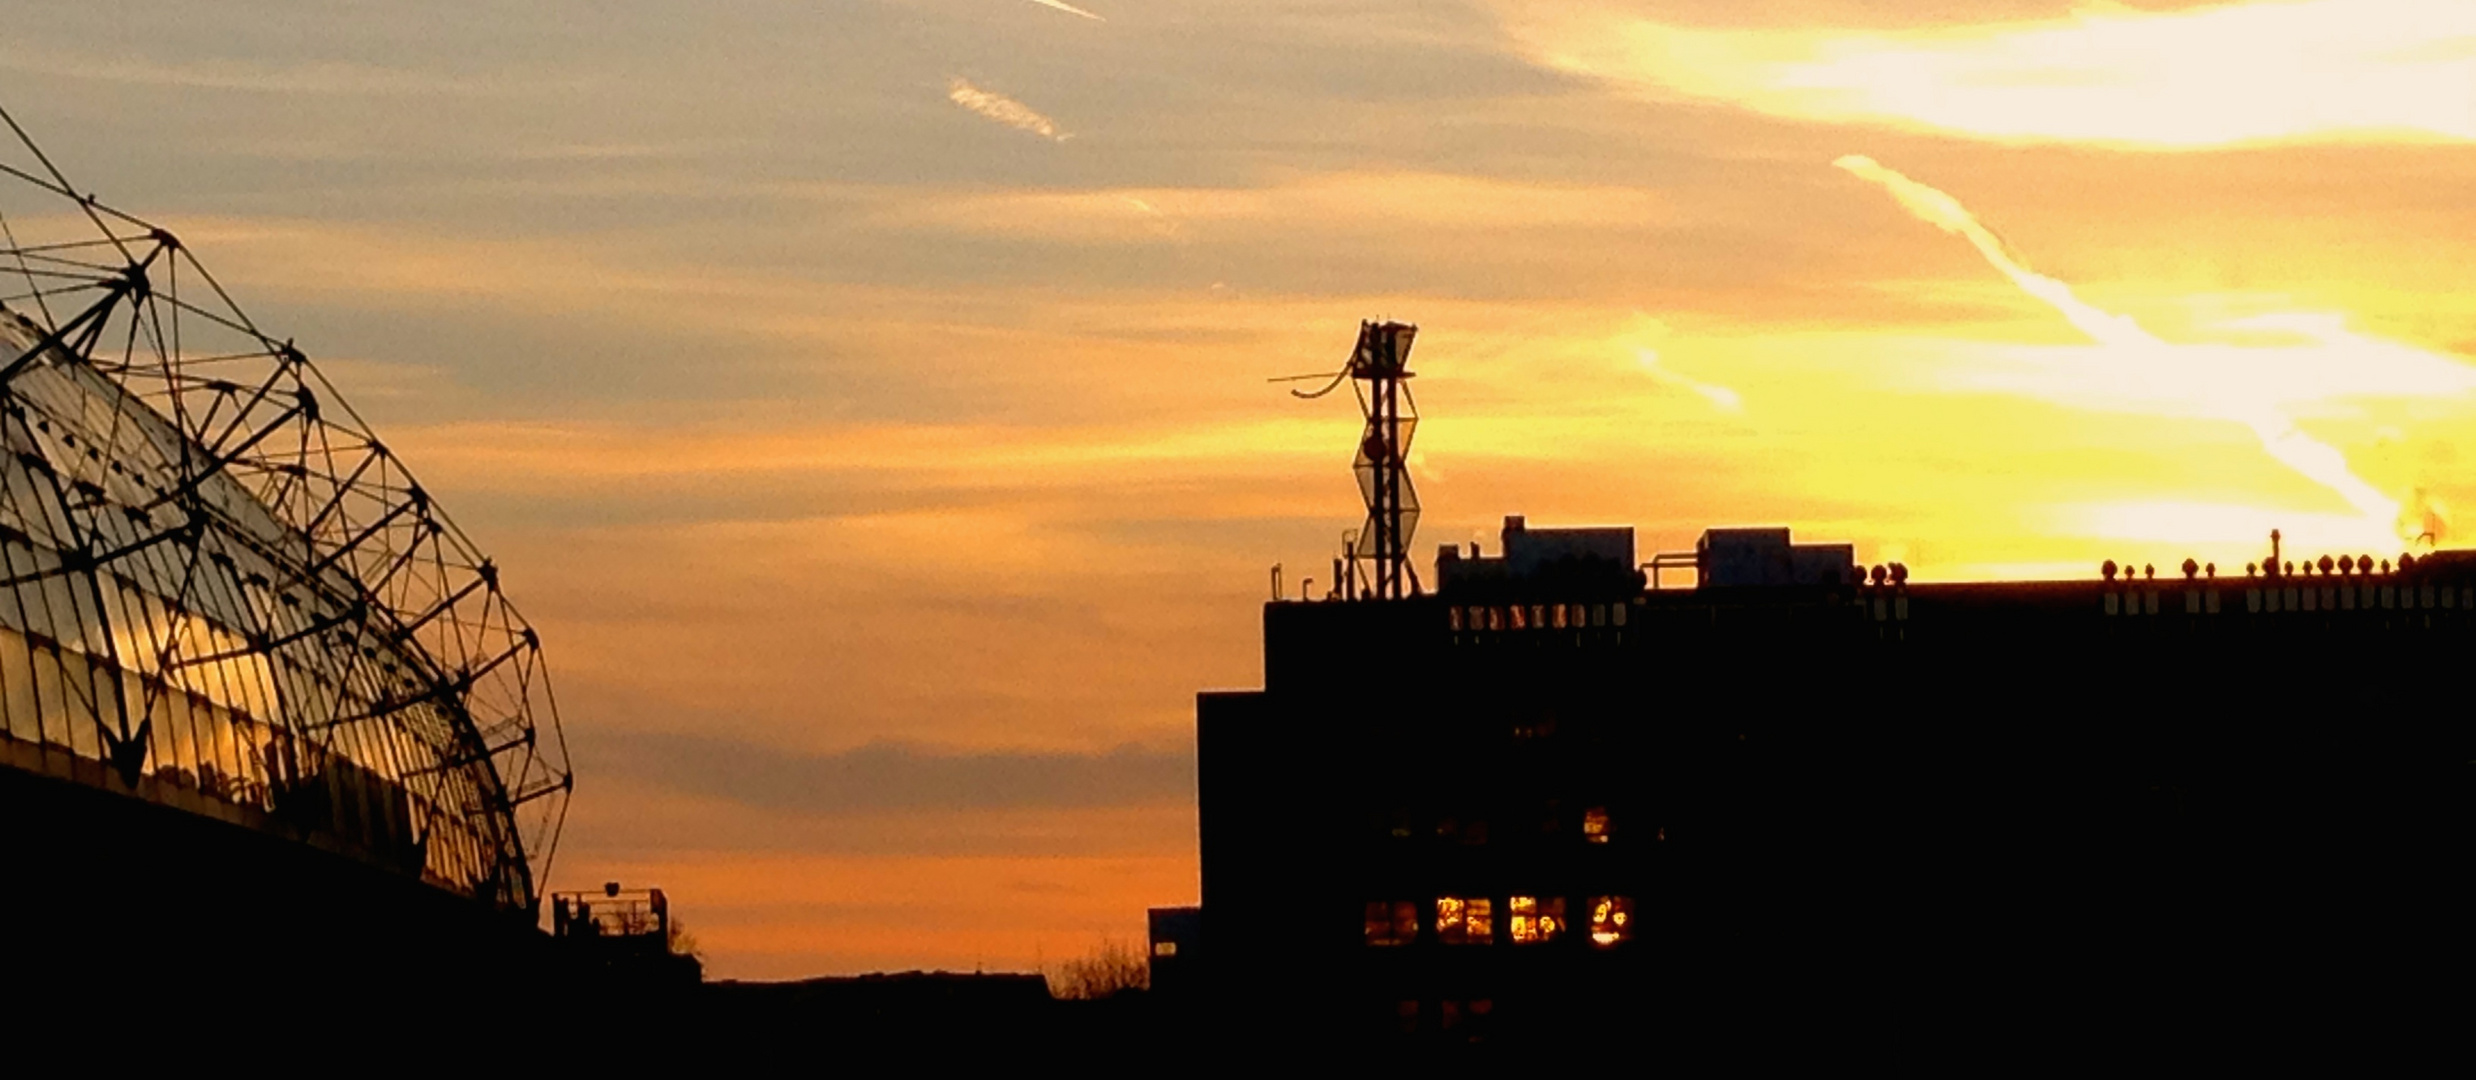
(1601, 558)
(1593, 558)
(623, 933)
(612, 912)
(1736, 558)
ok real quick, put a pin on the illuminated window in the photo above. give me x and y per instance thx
(1595, 824)
(1164, 948)
(1392, 922)
(1465, 920)
(1611, 920)
(1537, 920)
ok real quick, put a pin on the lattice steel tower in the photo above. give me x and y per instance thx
(1379, 553)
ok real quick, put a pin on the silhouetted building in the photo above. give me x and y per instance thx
(1549, 798)
(1176, 936)
(621, 937)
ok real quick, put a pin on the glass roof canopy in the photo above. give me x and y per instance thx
(220, 591)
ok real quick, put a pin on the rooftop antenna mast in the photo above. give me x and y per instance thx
(1379, 372)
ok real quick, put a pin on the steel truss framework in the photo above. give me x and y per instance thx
(217, 584)
(1379, 372)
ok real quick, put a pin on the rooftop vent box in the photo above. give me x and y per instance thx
(1529, 551)
(1737, 558)
(1586, 560)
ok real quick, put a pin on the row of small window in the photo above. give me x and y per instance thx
(1596, 827)
(1535, 616)
(2343, 598)
(1471, 920)
(1455, 1017)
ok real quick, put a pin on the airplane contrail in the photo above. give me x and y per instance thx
(1070, 9)
(1003, 109)
(1720, 397)
(2313, 459)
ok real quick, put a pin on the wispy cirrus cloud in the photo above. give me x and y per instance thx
(1003, 109)
(2315, 70)
(319, 78)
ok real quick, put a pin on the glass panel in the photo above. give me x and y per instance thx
(17, 680)
(47, 695)
(77, 700)
(1537, 920)
(1611, 920)
(1465, 920)
(1385, 928)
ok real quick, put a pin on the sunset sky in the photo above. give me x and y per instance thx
(867, 400)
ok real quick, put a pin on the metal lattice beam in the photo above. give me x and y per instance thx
(194, 511)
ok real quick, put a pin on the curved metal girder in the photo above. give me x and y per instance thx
(303, 601)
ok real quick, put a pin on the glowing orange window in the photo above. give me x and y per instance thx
(1464, 920)
(1595, 824)
(1536, 920)
(1611, 920)
(1392, 922)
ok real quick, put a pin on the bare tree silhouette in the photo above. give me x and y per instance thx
(1111, 968)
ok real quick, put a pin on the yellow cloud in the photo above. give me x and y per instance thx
(2259, 386)
(2239, 73)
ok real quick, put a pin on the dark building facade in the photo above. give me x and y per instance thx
(1175, 939)
(1548, 799)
